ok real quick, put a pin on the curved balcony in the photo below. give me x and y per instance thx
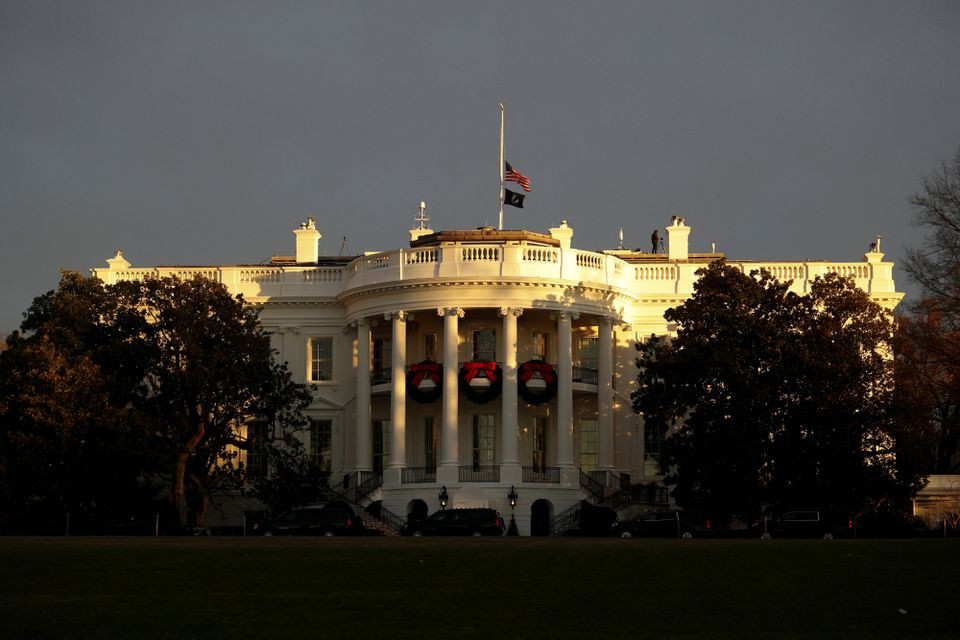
(520, 260)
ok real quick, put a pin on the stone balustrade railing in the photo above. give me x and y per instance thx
(510, 261)
(252, 281)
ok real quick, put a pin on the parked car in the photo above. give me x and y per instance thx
(808, 523)
(459, 522)
(326, 520)
(674, 523)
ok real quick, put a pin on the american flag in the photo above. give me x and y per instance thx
(512, 175)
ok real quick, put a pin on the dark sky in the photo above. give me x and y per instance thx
(203, 132)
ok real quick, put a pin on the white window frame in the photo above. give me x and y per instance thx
(312, 368)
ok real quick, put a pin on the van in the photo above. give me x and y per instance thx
(459, 522)
(325, 520)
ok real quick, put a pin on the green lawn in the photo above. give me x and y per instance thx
(477, 588)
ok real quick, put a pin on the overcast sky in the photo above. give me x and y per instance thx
(204, 132)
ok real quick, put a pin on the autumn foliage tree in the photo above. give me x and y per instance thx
(928, 349)
(773, 398)
(175, 367)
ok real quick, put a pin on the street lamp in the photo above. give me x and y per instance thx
(444, 496)
(512, 496)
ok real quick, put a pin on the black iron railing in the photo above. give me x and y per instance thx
(548, 475)
(480, 473)
(567, 519)
(418, 475)
(584, 375)
(590, 484)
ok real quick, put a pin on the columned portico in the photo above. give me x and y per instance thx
(565, 395)
(448, 468)
(363, 425)
(398, 398)
(510, 464)
(605, 393)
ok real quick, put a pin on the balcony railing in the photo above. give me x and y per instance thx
(542, 475)
(480, 473)
(418, 475)
(584, 375)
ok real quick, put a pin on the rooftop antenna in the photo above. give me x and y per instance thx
(620, 246)
(421, 218)
(343, 246)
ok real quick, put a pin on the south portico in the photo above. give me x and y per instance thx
(458, 348)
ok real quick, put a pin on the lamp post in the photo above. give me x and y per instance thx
(444, 496)
(512, 497)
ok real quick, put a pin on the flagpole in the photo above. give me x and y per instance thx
(500, 226)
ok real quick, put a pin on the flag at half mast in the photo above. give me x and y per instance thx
(512, 175)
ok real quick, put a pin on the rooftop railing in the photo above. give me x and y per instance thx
(513, 261)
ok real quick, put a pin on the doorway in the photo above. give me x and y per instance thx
(541, 512)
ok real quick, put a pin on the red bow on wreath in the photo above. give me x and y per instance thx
(472, 369)
(429, 370)
(545, 370)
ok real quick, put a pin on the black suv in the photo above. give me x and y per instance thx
(326, 520)
(664, 524)
(809, 523)
(459, 522)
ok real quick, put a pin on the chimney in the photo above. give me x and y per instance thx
(678, 239)
(563, 233)
(308, 239)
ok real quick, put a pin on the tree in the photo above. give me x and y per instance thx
(936, 266)
(294, 478)
(928, 350)
(180, 362)
(773, 398)
(69, 436)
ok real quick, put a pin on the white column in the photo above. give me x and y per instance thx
(398, 397)
(364, 452)
(605, 392)
(508, 421)
(448, 471)
(565, 397)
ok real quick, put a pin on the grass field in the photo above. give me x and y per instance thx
(477, 588)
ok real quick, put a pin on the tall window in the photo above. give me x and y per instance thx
(539, 444)
(381, 445)
(382, 357)
(541, 346)
(485, 345)
(589, 444)
(430, 347)
(258, 437)
(588, 353)
(430, 443)
(321, 447)
(652, 443)
(484, 440)
(321, 359)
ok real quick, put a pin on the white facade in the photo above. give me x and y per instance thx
(352, 327)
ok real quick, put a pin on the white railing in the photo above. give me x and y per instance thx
(266, 275)
(590, 260)
(485, 253)
(655, 273)
(540, 254)
(522, 261)
(422, 256)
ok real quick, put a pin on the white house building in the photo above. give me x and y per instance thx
(490, 307)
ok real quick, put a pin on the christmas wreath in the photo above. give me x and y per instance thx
(536, 370)
(472, 385)
(425, 381)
